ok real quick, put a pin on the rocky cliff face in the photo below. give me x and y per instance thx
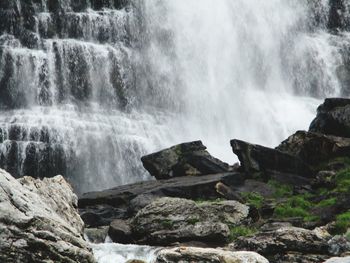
(39, 221)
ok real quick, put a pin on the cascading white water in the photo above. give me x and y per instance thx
(248, 69)
(88, 87)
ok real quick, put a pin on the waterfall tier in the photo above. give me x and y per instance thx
(89, 86)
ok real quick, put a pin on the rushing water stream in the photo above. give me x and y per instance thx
(87, 87)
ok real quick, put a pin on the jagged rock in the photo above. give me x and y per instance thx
(183, 160)
(120, 232)
(286, 239)
(96, 235)
(169, 220)
(333, 118)
(101, 208)
(207, 255)
(257, 159)
(39, 221)
(314, 148)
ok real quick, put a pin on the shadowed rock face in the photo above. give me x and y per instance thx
(187, 159)
(39, 221)
(333, 118)
(256, 158)
(315, 148)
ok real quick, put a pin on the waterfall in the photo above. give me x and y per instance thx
(89, 86)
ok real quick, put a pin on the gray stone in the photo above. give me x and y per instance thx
(120, 232)
(39, 221)
(207, 255)
(169, 220)
(286, 239)
(96, 235)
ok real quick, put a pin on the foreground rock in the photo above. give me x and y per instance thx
(170, 220)
(101, 208)
(39, 221)
(333, 118)
(185, 159)
(338, 260)
(207, 255)
(288, 241)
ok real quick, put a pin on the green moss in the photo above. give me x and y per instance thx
(241, 231)
(311, 218)
(287, 211)
(300, 201)
(253, 199)
(327, 202)
(295, 206)
(342, 180)
(193, 221)
(168, 224)
(281, 190)
(342, 223)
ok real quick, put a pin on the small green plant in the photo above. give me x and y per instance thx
(241, 231)
(253, 199)
(342, 179)
(281, 190)
(193, 221)
(327, 202)
(167, 224)
(311, 218)
(287, 211)
(342, 223)
(300, 201)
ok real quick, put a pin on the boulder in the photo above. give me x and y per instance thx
(314, 148)
(256, 159)
(120, 232)
(286, 239)
(39, 221)
(168, 220)
(185, 159)
(96, 235)
(122, 202)
(207, 255)
(333, 118)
